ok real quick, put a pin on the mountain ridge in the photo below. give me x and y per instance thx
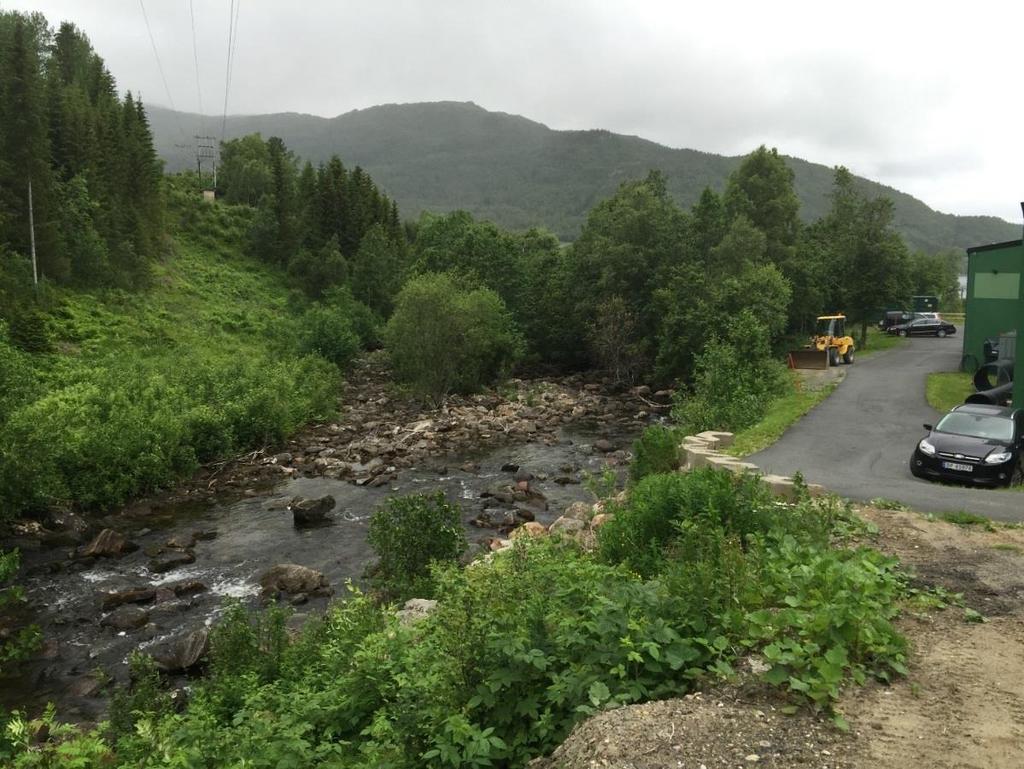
(519, 173)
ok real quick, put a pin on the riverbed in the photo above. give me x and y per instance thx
(245, 535)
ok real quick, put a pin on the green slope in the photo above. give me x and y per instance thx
(442, 156)
(137, 388)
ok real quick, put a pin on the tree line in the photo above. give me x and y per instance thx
(88, 154)
(639, 294)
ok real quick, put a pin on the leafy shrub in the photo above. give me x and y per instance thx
(655, 451)
(107, 433)
(27, 329)
(444, 338)
(327, 332)
(18, 644)
(642, 529)
(409, 534)
(18, 380)
(735, 380)
(823, 615)
(365, 322)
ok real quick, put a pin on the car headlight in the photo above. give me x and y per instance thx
(998, 457)
(926, 447)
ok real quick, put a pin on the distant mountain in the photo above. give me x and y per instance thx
(441, 156)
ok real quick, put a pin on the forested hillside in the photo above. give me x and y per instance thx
(520, 174)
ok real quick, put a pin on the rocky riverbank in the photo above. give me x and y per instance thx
(154, 575)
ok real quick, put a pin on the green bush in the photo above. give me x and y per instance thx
(15, 644)
(409, 534)
(107, 433)
(444, 338)
(649, 522)
(327, 331)
(655, 451)
(735, 380)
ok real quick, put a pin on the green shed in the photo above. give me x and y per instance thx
(994, 302)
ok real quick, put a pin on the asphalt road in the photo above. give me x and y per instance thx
(858, 442)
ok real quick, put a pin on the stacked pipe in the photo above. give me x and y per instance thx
(993, 383)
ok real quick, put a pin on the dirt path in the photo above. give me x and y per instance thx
(963, 703)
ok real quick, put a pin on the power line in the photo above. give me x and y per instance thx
(233, 13)
(195, 57)
(160, 66)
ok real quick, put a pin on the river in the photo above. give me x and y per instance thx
(253, 533)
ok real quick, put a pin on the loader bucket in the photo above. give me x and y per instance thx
(807, 359)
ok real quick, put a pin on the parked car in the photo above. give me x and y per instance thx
(902, 317)
(973, 443)
(924, 327)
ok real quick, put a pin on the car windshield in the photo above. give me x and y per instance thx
(976, 426)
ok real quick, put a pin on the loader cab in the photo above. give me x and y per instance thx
(831, 326)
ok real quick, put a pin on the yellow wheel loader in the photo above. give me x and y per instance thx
(830, 336)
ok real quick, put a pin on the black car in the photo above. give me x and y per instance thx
(973, 443)
(924, 327)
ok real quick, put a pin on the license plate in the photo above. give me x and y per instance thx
(959, 467)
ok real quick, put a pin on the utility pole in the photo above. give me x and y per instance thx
(32, 236)
(206, 149)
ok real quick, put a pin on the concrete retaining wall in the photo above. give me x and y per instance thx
(704, 450)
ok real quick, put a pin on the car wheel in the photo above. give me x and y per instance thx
(1017, 479)
(848, 355)
(903, 332)
(833, 356)
(940, 333)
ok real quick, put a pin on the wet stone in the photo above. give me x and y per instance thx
(126, 618)
(169, 561)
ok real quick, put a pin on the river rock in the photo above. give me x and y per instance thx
(307, 511)
(473, 551)
(510, 467)
(108, 544)
(126, 618)
(185, 587)
(604, 445)
(86, 686)
(121, 597)
(172, 560)
(415, 609)
(530, 530)
(66, 529)
(184, 652)
(182, 541)
(292, 578)
(567, 525)
(579, 510)
(600, 520)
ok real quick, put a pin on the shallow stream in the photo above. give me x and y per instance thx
(253, 533)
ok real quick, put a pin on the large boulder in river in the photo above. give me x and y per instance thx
(126, 618)
(172, 560)
(292, 578)
(107, 544)
(307, 511)
(183, 652)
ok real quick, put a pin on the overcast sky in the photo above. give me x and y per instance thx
(925, 97)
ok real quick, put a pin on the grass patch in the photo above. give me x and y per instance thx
(963, 518)
(948, 389)
(782, 413)
(1009, 547)
(879, 341)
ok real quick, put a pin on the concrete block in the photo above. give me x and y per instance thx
(781, 486)
(699, 457)
(721, 439)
